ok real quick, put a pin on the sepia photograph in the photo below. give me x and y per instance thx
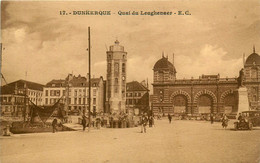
(130, 81)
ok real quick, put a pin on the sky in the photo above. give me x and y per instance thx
(45, 45)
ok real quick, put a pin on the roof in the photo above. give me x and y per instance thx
(253, 58)
(116, 47)
(163, 63)
(135, 86)
(74, 82)
(20, 84)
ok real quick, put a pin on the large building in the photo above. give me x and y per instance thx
(137, 97)
(73, 89)
(15, 97)
(207, 94)
(116, 78)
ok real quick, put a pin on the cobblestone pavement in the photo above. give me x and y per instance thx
(180, 142)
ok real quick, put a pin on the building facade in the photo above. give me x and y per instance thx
(208, 94)
(116, 78)
(18, 95)
(137, 97)
(74, 90)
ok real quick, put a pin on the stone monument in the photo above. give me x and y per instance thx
(243, 103)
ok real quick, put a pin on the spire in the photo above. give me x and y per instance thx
(147, 84)
(244, 59)
(163, 54)
(254, 49)
(117, 42)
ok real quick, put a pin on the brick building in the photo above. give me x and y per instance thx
(207, 94)
(14, 97)
(137, 97)
(76, 86)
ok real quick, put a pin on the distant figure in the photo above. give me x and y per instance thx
(54, 125)
(211, 118)
(170, 118)
(144, 120)
(84, 122)
(225, 121)
(151, 121)
(239, 117)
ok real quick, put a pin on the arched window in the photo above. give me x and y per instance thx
(116, 67)
(254, 73)
(109, 67)
(123, 67)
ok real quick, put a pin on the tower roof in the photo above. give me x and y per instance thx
(163, 63)
(253, 58)
(116, 47)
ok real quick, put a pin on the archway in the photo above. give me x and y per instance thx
(204, 104)
(230, 104)
(179, 104)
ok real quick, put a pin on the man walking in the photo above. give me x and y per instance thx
(84, 122)
(144, 120)
(54, 124)
(170, 118)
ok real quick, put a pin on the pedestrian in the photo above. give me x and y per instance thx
(144, 120)
(54, 125)
(151, 121)
(170, 118)
(224, 121)
(211, 118)
(84, 122)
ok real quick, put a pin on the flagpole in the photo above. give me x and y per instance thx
(89, 82)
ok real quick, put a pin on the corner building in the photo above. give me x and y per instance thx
(208, 94)
(116, 78)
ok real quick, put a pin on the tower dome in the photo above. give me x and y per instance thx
(253, 59)
(163, 63)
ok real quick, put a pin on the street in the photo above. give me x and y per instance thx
(181, 142)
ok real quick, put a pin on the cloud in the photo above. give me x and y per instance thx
(211, 60)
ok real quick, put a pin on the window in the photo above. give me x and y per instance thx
(84, 100)
(75, 101)
(116, 67)
(52, 93)
(130, 101)
(139, 94)
(57, 93)
(123, 67)
(109, 67)
(46, 93)
(94, 92)
(79, 100)
(116, 80)
(63, 92)
(75, 93)
(46, 101)
(94, 101)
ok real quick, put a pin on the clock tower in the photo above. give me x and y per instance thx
(116, 78)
